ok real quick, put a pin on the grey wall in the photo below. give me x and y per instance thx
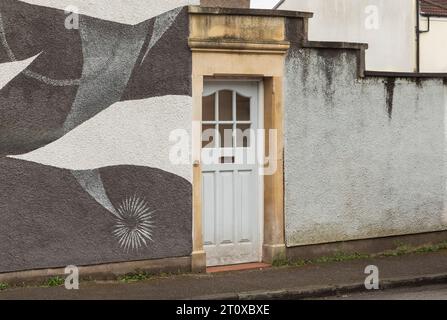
(364, 158)
(392, 44)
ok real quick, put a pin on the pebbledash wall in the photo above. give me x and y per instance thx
(85, 122)
(365, 157)
(86, 117)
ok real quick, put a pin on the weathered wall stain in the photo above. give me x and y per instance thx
(390, 84)
(328, 67)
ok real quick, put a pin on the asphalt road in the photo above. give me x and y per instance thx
(436, 292)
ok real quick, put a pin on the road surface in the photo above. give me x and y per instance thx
(435, 292)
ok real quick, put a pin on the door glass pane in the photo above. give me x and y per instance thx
(243, 133)
(225, 105)
(243, 108)
(209, 136)
(209, 108)
(226, 135)
(227, 160)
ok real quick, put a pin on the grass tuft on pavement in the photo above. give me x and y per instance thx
(54, 282)
(401, 250)
(144, 276)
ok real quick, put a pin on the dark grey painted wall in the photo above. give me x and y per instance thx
(48, 220)
(51, 217)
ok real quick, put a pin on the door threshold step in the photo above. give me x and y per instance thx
(238, 267)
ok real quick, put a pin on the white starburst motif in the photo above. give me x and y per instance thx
(134, 225)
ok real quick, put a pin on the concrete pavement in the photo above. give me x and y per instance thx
(275, 283)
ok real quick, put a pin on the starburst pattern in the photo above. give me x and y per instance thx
(134, 225)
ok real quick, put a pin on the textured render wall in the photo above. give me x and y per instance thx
(86, 116)
(364, 158)
(392, 44)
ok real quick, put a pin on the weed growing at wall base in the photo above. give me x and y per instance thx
(3, 286)
(144, 276)
(342, 256)
(135, 277)
(338, 257)
(405, 249)
(54, 282)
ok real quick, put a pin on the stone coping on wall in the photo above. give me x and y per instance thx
(249, 12)
(361, 47)
(335, 45)
(391, 74)
(238, 30)
(314, 44)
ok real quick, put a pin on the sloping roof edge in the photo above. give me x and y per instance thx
(280, 2)
(425, 10)
(434, 8)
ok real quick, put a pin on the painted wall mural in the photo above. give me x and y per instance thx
(85, 117)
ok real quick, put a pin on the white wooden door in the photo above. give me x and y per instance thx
(230, 186)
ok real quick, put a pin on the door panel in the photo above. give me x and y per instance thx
(209, 206)
(226, 213)
(231, 218)
(245, 207)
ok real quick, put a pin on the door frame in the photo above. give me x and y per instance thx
(260, 126)
(208, 64)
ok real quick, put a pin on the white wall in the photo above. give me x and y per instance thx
(123, 11)
(391, 41)
(434, 45)
(263, 4)
(137, 133)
